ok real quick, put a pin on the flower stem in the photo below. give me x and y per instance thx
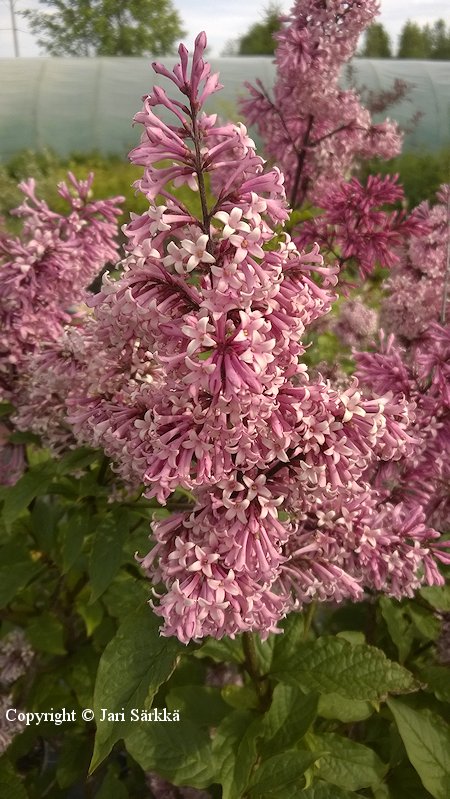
(252, 669)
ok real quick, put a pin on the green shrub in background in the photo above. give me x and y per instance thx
(420, 173)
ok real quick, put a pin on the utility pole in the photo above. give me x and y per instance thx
(14, 28)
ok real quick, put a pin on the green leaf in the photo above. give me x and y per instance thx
(125, 594)
(334, 706)
(133, 666)
(33, 483)
(333, 665)
(438, 597)
(323, 790)
(226, 742)
(77, 459)
(288, 718)
(399, 626)
(221, 651)
(11, 786)
(200, 702)
(427, 741)
(178, 751)
(46, 634)
(72, 533)
(347, 764)
(16, 571)
(112, 786)
(281, 771)
(246, 757)
(92, 613)
(242, 697)
(438, 681)
(73, 759)
(106, 555)
(292, 637)
(425, 621)
(44, 521)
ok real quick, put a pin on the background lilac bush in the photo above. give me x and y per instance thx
(267, 387)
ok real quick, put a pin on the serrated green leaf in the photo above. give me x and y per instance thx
(11, 786)
(281, 771)
(33, 483)
(288, 718)
(398, 624)
(333, 665)
(106, 555)
(438, 597)
(178, 751)
(133, 666)
(347, 764)
(427, 741)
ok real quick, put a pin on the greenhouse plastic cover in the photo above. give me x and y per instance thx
(86, 104)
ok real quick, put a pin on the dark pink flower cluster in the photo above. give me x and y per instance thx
(417, 285)
(211, 311)
(358, 226)
(47, 269)
(311, 128)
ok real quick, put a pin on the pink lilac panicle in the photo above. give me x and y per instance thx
(357, 226)
(48, 267)
(222, 305)
(311, 128)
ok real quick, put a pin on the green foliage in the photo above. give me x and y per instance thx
(421, 174)
(300, 715)
(427, 741)
(133, 666)
(105, 27)
(377, 43)
(425, 42)
(413, 42)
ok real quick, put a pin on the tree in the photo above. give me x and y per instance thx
(106, 27)
(414, 42)
(259, 39)
(377, 43)
(440, 41)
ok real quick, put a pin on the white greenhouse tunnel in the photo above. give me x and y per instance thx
(86, 104)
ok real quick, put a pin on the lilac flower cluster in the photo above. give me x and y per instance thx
(311, 128)
(213, 308)
(46, 270)
(357, 224)
(417, 286)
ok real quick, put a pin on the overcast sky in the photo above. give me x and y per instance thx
(228, 19)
